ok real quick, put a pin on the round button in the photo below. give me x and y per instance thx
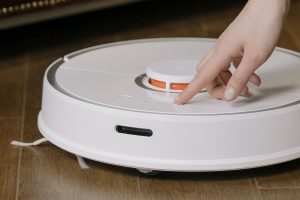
(176, 71)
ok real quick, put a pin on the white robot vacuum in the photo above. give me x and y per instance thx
(113, 103)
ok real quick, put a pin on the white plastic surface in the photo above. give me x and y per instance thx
(94, 92)
(105, 80)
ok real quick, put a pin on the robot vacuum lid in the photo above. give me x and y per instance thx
(117, 76)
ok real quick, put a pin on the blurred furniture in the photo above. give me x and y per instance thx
(20, 12)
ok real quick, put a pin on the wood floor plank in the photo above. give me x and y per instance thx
(292, 22)
(280, 194)
(48, 172)
(286, 40)
(8, 181)
(12, 69)
(282, 175)
(9, 130)
(51, 173)
(290, 37)
(208, 186)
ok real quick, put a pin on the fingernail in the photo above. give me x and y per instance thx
(230, 93)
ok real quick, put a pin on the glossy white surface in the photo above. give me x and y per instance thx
(104, 75)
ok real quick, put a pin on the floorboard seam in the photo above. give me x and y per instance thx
(257, 187)
(22, 124)
(139, 186)
(278, 188)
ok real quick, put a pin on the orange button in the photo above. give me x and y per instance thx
(173, 86)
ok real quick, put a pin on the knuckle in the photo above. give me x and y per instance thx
(209, 88)
(259, 57)
(237, 82)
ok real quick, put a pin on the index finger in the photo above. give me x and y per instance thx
(203, 77)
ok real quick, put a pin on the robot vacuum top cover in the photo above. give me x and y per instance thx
(114, 103)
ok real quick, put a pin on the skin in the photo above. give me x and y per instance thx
(246, 43)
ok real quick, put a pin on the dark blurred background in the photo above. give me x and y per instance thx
(113, 20)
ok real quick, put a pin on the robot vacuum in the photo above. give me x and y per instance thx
(113, 103)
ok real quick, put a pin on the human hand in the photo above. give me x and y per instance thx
(246, 43)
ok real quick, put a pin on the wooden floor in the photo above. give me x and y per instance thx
(47, 172)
